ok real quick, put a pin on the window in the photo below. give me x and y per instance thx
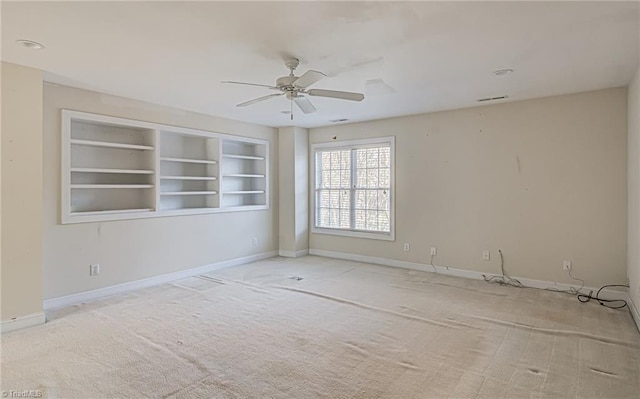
(354, 188)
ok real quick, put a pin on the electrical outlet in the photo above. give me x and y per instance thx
(254, 241)
(566, 265)
(486, 255)
(434, 251)
(94, 269)
(406, 247)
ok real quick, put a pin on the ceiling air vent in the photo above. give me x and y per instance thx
(492, 98)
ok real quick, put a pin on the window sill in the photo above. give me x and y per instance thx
(355, 234)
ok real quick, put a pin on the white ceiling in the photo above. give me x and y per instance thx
(436, 55)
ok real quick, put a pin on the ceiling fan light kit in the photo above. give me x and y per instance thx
(294, 88)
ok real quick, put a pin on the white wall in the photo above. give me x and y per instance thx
(302, 189)
(130, 250)
(286, 196)
(633, 246)
(294, 187)
(21, 271)
(544, 180)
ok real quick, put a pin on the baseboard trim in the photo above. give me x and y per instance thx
(85, 296)
(449, 271)
(292, 254)
(19, 323)
(635, 313)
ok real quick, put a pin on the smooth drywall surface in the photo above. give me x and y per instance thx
(21, 191)
(130, 250)
(544, 180)
(302, 188)
(294, 188)
(286, 180)
(633, 190)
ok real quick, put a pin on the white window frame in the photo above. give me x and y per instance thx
(354, 144)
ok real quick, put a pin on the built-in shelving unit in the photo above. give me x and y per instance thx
(115, 168)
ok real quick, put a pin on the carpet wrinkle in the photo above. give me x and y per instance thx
(364, 306)
(177, 355)
(254, 287)
(187, 388)
(548, 369)
(212, 279)
(467, 289)
(607, 373)
(410, 366)
(553, 331)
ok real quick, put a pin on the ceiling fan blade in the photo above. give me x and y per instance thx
(343, 95)
(308, 78)
(304, 104)
(257, 100)
(249, 84)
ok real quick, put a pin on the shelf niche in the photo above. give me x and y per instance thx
(189, 171)
(244, 172)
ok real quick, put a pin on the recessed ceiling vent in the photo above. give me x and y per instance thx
(338, 120)
(492, 98)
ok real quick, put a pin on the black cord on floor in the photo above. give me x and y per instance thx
(607, 303)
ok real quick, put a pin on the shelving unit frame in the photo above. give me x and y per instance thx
(146, 169)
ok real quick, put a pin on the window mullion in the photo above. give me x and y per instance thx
(352, 198)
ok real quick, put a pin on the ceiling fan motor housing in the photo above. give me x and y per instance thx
(286, 81)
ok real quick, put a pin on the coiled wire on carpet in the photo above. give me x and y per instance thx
(607, 303)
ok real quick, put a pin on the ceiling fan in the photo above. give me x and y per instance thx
(295, 89)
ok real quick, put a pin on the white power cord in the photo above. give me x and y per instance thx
(504, 279)
(432, 265)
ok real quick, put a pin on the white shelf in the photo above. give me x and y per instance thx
(111, 212)
(107, 144)
(111, 186)
(189, 177)
(235, 156)
(189, 193)
(187, 160)
(245, 192)
(126, 171)
(242, 175)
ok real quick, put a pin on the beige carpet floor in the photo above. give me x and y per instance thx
(344, 330)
